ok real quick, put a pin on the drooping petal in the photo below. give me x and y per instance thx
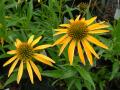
(86, 43)
(30, 40)
(80, 52)
(64, 45)
(95, 41)
(97, 26)
(12, 67)
(60, 40)
(78, 17)
(29, 69)
(45, 57)
(20, 72)
(36, 41)
(98, 31)
(65, 25)
(88, 22)
(71, 51)
(9, 61)
(36, 70)
(88, 53)
(42, 47)
(11, 52)
(42, 60)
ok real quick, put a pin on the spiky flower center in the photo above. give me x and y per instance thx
(77, 30)
(25, 51)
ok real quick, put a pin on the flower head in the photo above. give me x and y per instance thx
(78, 33)
(24, 53)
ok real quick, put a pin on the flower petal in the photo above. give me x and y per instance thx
(86, 43)
(60, 32)
(9, 61)
(71, 51)
(36, 41)
(30, 40)
(97, 26)
(11, 52)
(88, 53)
(37, 57)
(36, 70)
(95, 41)
(64, 25)
(12, 67)
(64, 45)
(18, 42)
(45, 57)
(98, 31)
(42, 47)
(60, 40)
(78, 17)
(71, 20)
(29, 69)
(20, 72)
(88, 22)
(80, 52)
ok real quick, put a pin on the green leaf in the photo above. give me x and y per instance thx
(11, 79)
(85, 75)
(115, 69)
(78, 84)
(52, 73)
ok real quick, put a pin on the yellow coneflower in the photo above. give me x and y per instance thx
(79, 33)
(24, 53)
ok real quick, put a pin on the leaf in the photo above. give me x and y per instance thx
(53, 73)
(115, 69)
(11, 79)
(78, 84)
(85, 75)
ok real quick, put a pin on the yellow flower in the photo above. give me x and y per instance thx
(78, 33)
(24, 53)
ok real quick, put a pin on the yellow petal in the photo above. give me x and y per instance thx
(95, 41)
(11, 52)
(37, 57)
(9, 61)
(12, 67)
(97, 26)
(80, 52)
(88, 22)
(20, 72)
(64, 45)
(30, 40)
(86, 43)
(45, 57)
(98, 31)
(78, 17)
(64, 25)
(71, 20)
(88, 53)
(42, 47)
(29, 69)
(60, 40)
(36, 70)
(71, 51)
(82, 19)
(18, 42)
(61, 30)
(36, 41)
